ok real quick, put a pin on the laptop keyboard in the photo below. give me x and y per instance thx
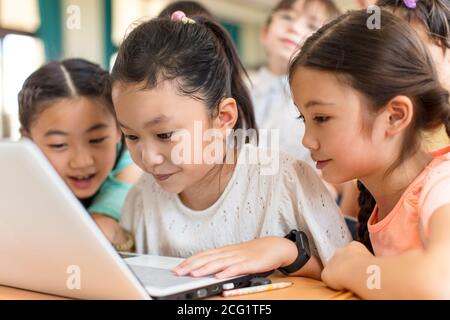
(159, 278)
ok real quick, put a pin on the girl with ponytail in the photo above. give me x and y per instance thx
(367, 97)
(180, 98)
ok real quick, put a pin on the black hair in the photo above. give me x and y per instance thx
(56, 80)
(201, 57)
(433, 14)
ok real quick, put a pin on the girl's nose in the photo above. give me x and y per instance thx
(309, 141)
(300, 27)
(81, 159)
(151, 157)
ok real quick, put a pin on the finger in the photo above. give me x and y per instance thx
(197, 263)
(195, 257)
(215, 266)
(234, 270)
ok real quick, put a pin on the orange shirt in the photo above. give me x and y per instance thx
(406, 226)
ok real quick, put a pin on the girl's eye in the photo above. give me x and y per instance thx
(131, 137)
(57, 146)
(321, 119)
(287, 17)
(97, 141)
(301, 117)
(165, 136)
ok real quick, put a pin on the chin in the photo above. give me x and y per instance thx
(334, 179)
(171, 188)
(84, 194)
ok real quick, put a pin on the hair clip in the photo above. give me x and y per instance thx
(410, 4)
(181, 16)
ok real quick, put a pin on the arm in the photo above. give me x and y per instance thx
(257, 256)
(109, 226)
(418, 274)
(130, 174)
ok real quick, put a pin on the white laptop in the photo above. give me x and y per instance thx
(50, 244)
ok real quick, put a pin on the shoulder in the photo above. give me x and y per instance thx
(436, 174)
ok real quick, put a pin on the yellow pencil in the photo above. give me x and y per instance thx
(256, 289)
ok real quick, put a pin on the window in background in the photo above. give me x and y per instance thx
(21, 53)
(20, 57)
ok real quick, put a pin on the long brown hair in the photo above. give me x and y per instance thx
(381, 64)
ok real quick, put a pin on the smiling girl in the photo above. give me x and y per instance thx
(66, 109)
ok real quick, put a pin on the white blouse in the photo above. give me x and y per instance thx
(253, 205)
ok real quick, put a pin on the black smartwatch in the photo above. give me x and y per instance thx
(304, 253)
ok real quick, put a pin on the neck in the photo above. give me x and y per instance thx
(388, 189)
(208, 190)
(277, 68)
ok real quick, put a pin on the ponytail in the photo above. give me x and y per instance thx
(238, 88)
(366, 205)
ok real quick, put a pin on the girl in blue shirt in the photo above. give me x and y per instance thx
(66, 109)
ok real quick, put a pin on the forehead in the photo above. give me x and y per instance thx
(136, 105)
(317, 11)
(73, 113)
(314, 85)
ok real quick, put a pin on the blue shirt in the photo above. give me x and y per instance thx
(110, 198)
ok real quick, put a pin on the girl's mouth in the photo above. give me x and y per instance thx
(82, 182)
(163, 177)
(322, 164)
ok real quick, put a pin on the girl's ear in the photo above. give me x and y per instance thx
(398, 115)
(24, 133)
(227, 115)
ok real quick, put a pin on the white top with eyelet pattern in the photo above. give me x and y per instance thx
(252, 205)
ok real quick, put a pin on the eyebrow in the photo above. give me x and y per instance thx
(96, 127)
(155, 121)
(314, 103)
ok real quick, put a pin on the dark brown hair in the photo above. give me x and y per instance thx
(190, 8)
(380, 64)
(57, 80)
(433, 14)
(332, 9)
(201, 58)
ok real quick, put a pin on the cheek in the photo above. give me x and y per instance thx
(59, 160)
(105, 156)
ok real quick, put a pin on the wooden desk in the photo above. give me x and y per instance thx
(303, 289)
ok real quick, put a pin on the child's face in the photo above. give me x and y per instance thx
(341, 134)
(151, 119)
(79, 137)
(289, 28)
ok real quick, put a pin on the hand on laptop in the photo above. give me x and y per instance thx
(110, 228)
(257, 256)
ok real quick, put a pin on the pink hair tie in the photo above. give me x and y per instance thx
(181, 17)
(410, 4)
